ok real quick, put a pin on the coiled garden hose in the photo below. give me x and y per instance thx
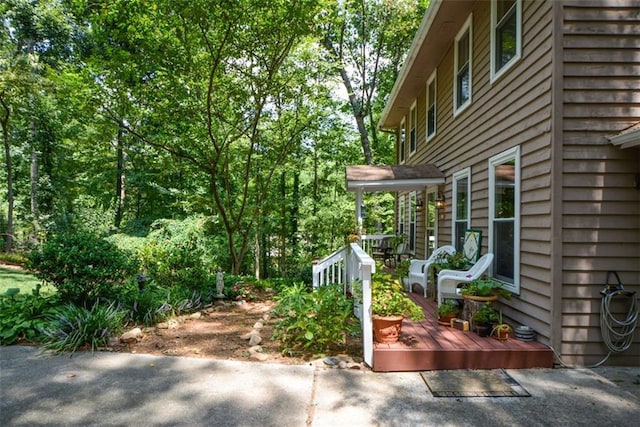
(618, 334)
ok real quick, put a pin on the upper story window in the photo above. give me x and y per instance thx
(504, 217)
(431, 106)
(463, 54)
(506, 35)
(461, 206)
(403, 141)
(413, 118)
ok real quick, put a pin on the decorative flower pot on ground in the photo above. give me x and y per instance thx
(386, 329)
(389, 301)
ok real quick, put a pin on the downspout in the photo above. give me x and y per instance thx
(557, 145)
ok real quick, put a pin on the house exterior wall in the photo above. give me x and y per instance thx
(600, 203)
(576, 83)
(513, 111)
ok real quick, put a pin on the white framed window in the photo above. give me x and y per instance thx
(403, 141)
(413, 119)
(401, 215)
(430, 222)
(462, 87)
(506, 35)
(504, 217)
(432, 105)
(412, 221)
(461, 206)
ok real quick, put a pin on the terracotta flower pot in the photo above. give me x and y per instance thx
(477, 298)
(446, 319)
(386, 329)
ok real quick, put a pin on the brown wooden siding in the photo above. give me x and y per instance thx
(512, 111)
(576, 84)
(601, 220)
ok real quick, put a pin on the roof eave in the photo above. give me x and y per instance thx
(416, 45)
(626, 139)
(395, 185)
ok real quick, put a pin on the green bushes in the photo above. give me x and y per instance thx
(22, 317)
(83, 267)
(179, 253)
(313, 322)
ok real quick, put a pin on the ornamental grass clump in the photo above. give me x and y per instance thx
(389, 299)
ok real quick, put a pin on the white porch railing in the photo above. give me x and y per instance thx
(352, 267)
(369, 242)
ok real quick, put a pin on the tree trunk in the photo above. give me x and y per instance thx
(33, 177)
(4, 121)
(357, 107)
(283, 224)
(293, 220)
(120, 176)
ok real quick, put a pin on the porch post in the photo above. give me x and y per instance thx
(359, 211)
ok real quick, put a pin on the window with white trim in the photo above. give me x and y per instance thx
(430, 232)
(413, 118)
(431, 106)
(401, 215)
(461, 206)
(506, 35)
(462, 67)
(403, 141)
(504, 217)
(412, 222)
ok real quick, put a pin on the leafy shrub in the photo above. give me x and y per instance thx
(154, 303)
(179, 253)
(23, 316)
(12, 258)
(83, 267)
(313, 322)
(71, 327)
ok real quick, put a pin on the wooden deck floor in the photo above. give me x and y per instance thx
(427, 345)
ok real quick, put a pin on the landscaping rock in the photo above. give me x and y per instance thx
(255, 340)
(131, 336)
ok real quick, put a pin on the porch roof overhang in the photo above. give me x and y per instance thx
(627, 138)
(392, 178)
(439, 26)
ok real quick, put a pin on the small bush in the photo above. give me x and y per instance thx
(179, 253)
(22, 317)
(83, 267)
(71, 327)
(313, 322)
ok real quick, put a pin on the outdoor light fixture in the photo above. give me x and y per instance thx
(440, 200)
(419, 205)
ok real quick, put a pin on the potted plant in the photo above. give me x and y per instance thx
(447, 311)
(484, 318)
(484, 290)
(501, 330)
(389, 306)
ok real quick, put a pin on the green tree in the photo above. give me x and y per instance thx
(367, 40)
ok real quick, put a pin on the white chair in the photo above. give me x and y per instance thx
(448, 280)
(419, 268)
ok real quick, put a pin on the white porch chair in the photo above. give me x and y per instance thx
(419, 269)
(448, 280)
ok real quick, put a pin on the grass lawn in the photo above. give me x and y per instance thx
(11, 278)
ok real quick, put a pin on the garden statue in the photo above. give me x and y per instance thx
(219, 283)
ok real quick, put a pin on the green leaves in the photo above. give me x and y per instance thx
(83, 267)
(313, 322)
